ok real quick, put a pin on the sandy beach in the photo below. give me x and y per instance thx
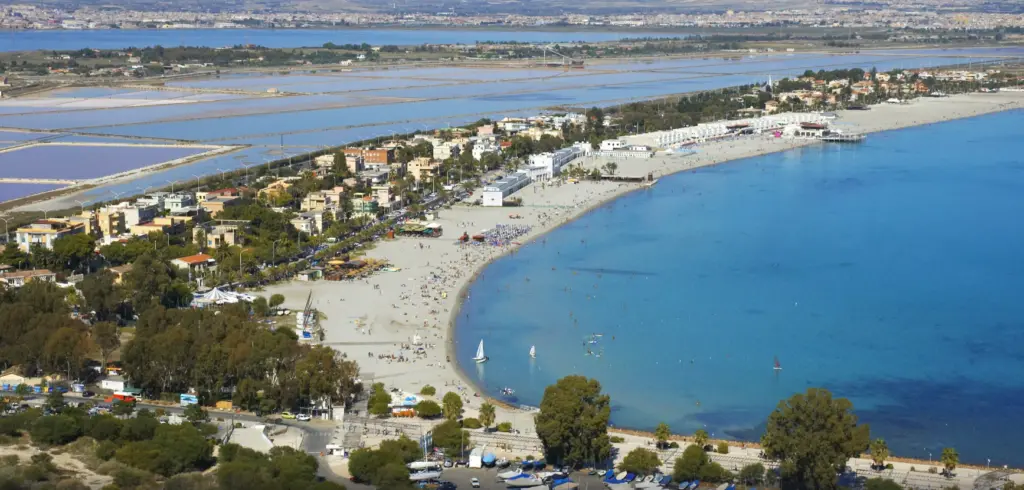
(376, 320)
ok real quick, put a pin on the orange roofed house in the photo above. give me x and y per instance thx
(197, 263)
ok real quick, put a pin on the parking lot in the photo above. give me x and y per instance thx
(488, 479)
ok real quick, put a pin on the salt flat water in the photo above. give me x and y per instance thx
(293, 38)
(888, 272)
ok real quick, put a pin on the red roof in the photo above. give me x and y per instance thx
(195, 259)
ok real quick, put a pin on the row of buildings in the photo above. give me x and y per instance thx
(155, 212)
(919, 14)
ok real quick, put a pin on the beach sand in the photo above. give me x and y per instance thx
(381, 315)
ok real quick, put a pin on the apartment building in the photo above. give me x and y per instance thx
(44, 232)
(423, 167)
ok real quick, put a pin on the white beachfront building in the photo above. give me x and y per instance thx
(544, 166)
(495, 194)
(619, 149)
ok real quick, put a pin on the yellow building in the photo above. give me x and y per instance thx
(217, 236)
(423, 167)
(275, 189)
(44, 232)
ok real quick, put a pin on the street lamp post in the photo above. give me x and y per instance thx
(172, 185)
(246, 165)
(197, 182)
(7, 232)
(273, 256)
(81, 205)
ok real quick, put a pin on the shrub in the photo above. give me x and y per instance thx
(640, 460)
(471, 423)
(723, 448)
(10, 460)
(620, 439)
(428, 409)
(428, 390)
(752, 474)
(714, 473)
(106, 450)
(56, 430)
(889, 466)
(933, 470)
(504, 427)
(673, 445)
(71, 485)
(130, 477)
(881, 484)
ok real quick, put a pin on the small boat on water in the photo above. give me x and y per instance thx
(508, 391)
(533, 352)
(778, 367)
(480, 356)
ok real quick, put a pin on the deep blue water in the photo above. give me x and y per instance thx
(290, 38)
(889, 272)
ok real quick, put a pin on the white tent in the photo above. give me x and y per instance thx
(217, 297)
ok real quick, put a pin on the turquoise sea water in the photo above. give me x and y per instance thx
(889, 272)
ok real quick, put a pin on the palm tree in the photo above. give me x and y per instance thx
(662, 433)
(879, 452)
(950, 458)
(487, 415)
(700, 438)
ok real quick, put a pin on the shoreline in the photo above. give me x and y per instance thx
(434, 279)
(1017, 104)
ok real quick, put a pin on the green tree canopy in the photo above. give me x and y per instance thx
(573, 422)
(487, 414)
(752, 474)
(950, 458)
(812, 435)
(74, 251)
(450, 437)
(662, 433)
(452, 405)
(428, 409)
(174, 449)
(687, 467)
(101, 295)
(641, 461)
(106, 336)
(700, 437)
(881, 484)
(879, 452)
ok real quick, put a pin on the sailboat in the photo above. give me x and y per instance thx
(778, 367)
(480, 357)
(533, 352)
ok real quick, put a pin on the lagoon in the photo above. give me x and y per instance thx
(887, 272)
(293, 38)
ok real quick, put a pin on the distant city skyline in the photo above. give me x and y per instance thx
(897, 14)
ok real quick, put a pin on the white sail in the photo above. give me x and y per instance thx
(480, 357)
(533, 351)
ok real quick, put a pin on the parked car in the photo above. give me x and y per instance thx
(88, 394)
(303, 417)
(475, 482)
(448, 463)
(287, 415)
